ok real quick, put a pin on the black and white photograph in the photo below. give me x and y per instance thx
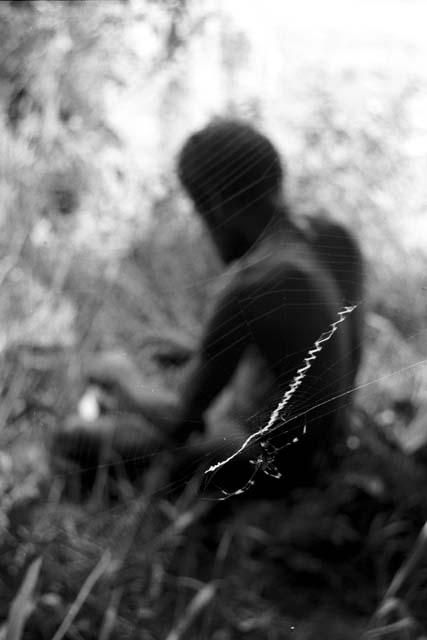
(213, 320)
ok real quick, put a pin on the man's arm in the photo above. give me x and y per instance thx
(225, 339)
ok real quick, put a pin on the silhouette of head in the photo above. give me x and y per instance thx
(234, 176)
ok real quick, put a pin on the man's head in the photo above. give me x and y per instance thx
(234, 176)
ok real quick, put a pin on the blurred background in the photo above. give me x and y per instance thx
(97, 97)
(98, 246)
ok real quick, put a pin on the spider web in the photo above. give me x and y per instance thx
(265, 461)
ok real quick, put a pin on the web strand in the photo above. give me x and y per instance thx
(294, 385)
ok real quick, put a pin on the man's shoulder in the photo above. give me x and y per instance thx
(320, 227)
(262, 272)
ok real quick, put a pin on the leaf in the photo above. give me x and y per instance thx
(23, 603)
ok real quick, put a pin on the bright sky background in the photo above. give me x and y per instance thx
(293, 45)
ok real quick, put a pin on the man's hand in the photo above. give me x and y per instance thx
(118, 378)
(123, 388)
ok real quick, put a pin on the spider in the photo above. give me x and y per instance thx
(264, 462)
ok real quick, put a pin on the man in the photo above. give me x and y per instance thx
(285, 286)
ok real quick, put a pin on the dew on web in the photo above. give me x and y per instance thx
(265, 461)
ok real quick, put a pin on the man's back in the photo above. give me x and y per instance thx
(288, 297)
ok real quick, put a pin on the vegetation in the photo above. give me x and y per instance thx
(95, 99)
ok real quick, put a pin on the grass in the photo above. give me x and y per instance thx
(342, 560)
